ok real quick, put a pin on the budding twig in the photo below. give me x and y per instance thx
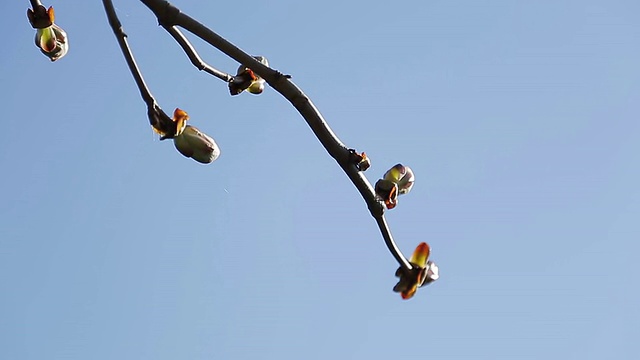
(158, 118)
(169, 16)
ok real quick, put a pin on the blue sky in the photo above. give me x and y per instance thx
(520, 120)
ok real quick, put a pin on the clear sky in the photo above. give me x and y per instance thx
(519, 118)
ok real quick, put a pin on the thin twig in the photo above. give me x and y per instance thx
(35, 3)
(157, 117)
(169, 15)
(116, 26)
(393, 248)
(191, 52)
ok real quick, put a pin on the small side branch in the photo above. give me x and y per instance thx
(196, 60)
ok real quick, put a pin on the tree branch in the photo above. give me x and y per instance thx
(116, 26)
(169, 16)
(393, 248)
(157, 117)
(196, 60)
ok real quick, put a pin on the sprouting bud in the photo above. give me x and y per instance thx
(401, 175)
(423, 272)
(360, 160)
(197, 145)
(433, 273)
(246, 79)
(256, 87)
(40, 17)
(191, 142)
(165, 128)
(52, 42)
(387, 190)
(50, 38)
(396, 181)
